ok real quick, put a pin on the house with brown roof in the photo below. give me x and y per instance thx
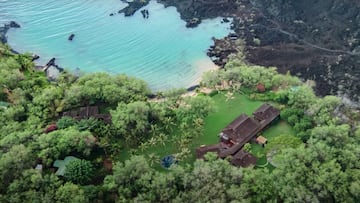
(239, 132)
(87, 112)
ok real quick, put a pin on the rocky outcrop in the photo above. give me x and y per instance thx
(145, 13)
(35, 57)
(318, 40)
(71, 37)
(221, 49)
(14, 24)
(5, 28)
(193, 22)
(133, 6)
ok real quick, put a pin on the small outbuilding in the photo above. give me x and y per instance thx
(261, 140)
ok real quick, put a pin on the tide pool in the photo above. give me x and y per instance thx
(159, 50)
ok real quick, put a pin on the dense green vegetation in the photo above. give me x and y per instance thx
(317, 160)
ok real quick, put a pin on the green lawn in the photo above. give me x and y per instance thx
(226, 111)
(278, 128)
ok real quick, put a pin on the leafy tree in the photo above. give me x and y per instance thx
(61, 142)
(333, 135)
(132, 120)
(71, 193)
(12, 163)
(194, 107)
(323, 110)
(282, 142)
(88, 124)
(33, 83)
(247, 147)
(128, 178)
(280, 80)
(301, 97)
(9, 78)
(256, 186)
(16, 138)
(79, 171)
(65, 122)
(15, 113)
(48, 103)
(210, 181)
(101, 87)
(17, 96)
(212, 78)
(33, 186)
(310, 175)
(25, 61)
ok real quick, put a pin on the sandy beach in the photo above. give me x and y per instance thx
(203, 65)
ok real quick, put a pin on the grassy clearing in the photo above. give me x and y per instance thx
(227, 109)
(278, 128)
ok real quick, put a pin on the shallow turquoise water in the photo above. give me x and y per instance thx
(160, 50)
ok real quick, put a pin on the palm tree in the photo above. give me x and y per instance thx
(153, 158)
(153, 129)
(185, 152)
(143, 146)
(168, 124)
(229, 95)
(161, 138)
(152, 141)
(198, 126)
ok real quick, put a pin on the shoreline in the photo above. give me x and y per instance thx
(4, 30)
(201, 65)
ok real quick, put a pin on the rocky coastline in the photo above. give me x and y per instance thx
(5, 28)
(316, 40)
(51, 68)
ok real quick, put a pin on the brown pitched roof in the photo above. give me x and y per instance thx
(265, 114)
(230, 151)
(241, 131)
(241, 128)
(261, 140)
(243, 159)
(87, 112)
(93, 110)
(202, 150)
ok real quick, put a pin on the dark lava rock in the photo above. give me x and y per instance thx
(133, 7)
(192, 88)
(317, 40)
(14, 24)
(225, 20)
(5, 28)
(35, 57)
(145, 13)
(71, 37)
(51, 62)
(193, 22)
(233, 36)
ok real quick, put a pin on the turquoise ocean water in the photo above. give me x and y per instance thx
(160, 49)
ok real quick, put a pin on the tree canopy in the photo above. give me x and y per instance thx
(319, 164)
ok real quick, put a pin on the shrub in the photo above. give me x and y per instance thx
(88, 124)
(65, 122)
(79, 171)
